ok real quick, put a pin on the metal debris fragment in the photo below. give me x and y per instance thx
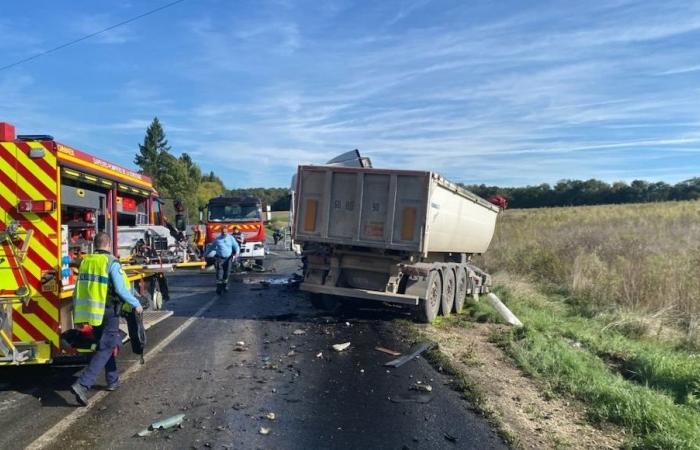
(415, 351)
(341, 347)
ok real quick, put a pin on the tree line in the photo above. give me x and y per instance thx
(590, 192)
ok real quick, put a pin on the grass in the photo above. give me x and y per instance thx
(649, 387)
(610, 298)
(280, 220)
(642, 259)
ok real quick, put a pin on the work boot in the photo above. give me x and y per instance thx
(113, 386)
(80, 393)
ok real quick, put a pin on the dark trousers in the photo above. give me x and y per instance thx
(223, 270)
(108, 339)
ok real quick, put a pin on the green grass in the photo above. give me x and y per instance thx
(640, 258)
(649, 387)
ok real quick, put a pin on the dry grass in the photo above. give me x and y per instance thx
(635, 260)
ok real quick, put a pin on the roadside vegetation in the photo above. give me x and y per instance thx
(610, 299)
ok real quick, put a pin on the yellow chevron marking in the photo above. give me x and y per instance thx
(37, 171)
(35, 219)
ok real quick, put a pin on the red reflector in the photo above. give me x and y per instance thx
(36, 206)
(7, 132)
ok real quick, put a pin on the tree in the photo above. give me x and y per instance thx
(153, 151)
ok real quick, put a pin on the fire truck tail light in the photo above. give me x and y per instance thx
(36, 206)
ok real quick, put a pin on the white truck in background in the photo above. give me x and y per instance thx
(398, 236)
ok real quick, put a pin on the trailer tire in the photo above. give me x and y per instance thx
(462, 285)
(430, 305)
(448, 292)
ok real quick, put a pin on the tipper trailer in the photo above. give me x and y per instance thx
(396, 236)
(53, 200)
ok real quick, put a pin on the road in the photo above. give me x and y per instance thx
(320, 398)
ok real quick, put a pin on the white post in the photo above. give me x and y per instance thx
(503, 310)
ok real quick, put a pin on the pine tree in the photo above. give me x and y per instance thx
(153, 152)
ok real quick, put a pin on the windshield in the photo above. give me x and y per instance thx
(234, 212)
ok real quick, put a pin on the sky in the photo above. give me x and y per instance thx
(497, 92)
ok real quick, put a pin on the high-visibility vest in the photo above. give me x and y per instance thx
(92, 289)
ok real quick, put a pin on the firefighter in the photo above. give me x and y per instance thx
(224, 249)
(101, 289)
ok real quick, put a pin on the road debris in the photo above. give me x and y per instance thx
(412, 398)
(298, 332)
(240, 347)
(169, 422)
(341, 347)
(422, 387)
(264, 431)
(387, 351)
(270, 416)
(415, 351)
(450, 438)
(319, 355)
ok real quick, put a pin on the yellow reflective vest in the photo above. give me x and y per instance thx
(92, 289)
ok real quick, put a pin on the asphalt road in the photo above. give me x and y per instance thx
(320, 398)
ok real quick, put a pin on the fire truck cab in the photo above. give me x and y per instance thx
(247, 215)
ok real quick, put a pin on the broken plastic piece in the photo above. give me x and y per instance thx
(169, 422)
(270, 416)
(264, 431)
(415, 351)
(299, 332)
(341, 347)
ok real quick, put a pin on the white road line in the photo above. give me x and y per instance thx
(54, 432)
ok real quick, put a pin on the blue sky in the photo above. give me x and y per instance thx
(499, 92)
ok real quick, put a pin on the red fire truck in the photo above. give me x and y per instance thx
(245, 213)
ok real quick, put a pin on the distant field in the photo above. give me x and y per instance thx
(641, 258)
(280, 219)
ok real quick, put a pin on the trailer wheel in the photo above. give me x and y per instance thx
(430, 305)
(462, 285)
(448, 292)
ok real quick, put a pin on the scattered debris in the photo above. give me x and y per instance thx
(169, 422)
(412, 398)
(387, 351)
(422, 387)
(270, 416)
(319, 355)
(347, 324)
(415, 351)
(341, 347)
(450, 438)
(264, 431)
(298, 332)
(240, 347)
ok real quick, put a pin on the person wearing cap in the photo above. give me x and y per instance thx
(223, 249)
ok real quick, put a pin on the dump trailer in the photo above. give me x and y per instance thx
(53, 200)
(396, 236)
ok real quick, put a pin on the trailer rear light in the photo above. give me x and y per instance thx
(36, 206)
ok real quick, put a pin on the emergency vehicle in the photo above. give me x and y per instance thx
(244, 213)
(53, 200)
